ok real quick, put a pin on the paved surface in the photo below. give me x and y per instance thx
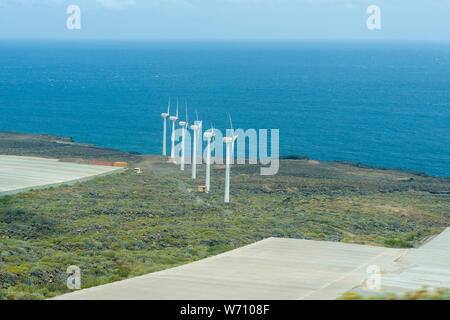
(269, 269)
(18, 174)
(427, 266)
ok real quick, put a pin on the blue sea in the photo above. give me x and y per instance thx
(383, 104)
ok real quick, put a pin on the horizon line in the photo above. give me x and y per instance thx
(361, 40)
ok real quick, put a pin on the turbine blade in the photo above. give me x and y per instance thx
(186, 111)
(168, 107)
(231, 122)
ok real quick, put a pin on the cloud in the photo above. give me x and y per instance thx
(109, 4)
(28, 3)
(116, 4)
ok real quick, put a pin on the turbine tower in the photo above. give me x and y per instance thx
(174, 120)
(165, 115)
(184, 126)
(208, 135)
(195, 127)
(229, 144)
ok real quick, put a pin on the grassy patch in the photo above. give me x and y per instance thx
(422, 294)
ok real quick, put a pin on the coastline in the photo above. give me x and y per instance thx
(52, 146)
(65, 148)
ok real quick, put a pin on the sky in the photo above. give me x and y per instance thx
(410, 20)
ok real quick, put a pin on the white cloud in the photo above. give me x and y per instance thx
(116, 4)
(28, 3)
(110, 4)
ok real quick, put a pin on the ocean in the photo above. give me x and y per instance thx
(381, 103)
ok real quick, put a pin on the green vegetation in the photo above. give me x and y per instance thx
(422, 294)
(128, 224)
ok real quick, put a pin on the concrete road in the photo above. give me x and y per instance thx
(18, 174)
(269, 269)
(288, 269)
(427, 266)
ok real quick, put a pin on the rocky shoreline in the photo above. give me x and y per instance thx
(49, 146)
(65, 148)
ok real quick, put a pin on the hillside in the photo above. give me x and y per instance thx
(129, 224)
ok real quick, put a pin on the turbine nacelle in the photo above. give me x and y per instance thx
(164, 115)
(174, 118)
(209, 134)
(183, 123)
(196, 126)
(230, 139)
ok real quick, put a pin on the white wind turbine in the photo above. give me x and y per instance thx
(184, 126)
(174, 120)
(208, 135)
(195, 127)
(230, 146)
(165, 115)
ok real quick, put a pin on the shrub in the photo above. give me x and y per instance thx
(397, 243)
(123, 271)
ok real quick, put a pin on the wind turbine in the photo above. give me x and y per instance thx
(208, 135)
(174, 120)
(195, 127)
(165, 115)
(229, 143)
(184, 126)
